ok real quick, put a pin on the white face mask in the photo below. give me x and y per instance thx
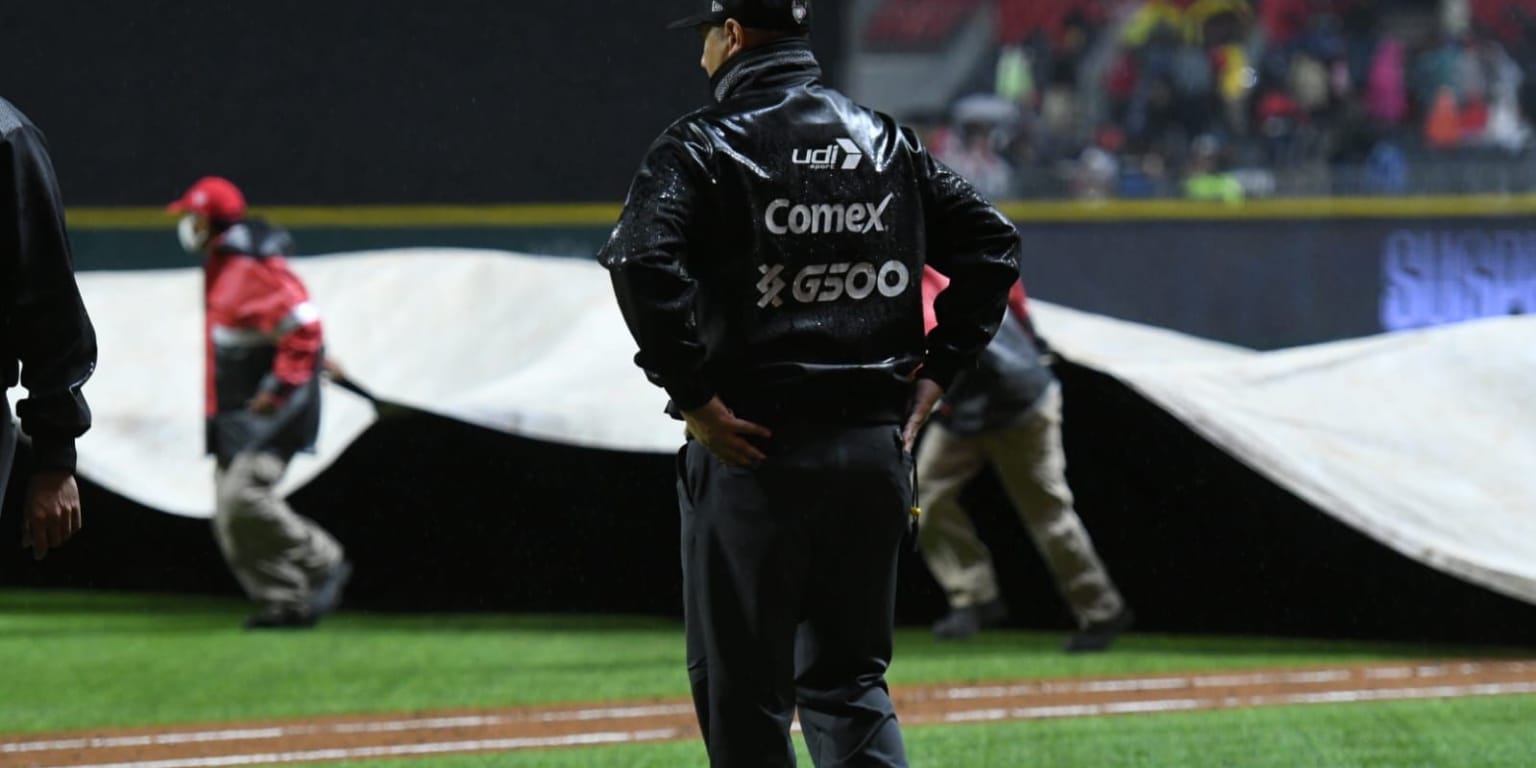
(192, 233)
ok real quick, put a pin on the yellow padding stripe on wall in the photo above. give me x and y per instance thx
(1294, 208)
(605, 214)
(374, 216)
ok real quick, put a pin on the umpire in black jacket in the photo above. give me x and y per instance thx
(769, 262)
(44, 328)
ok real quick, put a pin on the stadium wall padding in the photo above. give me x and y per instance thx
(1258, 283)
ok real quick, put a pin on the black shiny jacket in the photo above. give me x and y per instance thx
(772, 247)
(43, 323)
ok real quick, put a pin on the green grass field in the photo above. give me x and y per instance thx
(75, 661)
(1482, 733)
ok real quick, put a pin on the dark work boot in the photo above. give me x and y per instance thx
(1099, 635)
(325, 596)
(273, 617)
(962, 623)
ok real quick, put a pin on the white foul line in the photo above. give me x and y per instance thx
(1227, 680)
(1130, 685)
(1176, 705)
(112, 742)
(402, 750)
(386, 726)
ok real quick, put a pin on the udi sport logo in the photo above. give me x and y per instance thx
(844, 155)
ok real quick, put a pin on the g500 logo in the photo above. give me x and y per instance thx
(824, 283)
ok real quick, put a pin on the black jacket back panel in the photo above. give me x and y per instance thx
(772, 248)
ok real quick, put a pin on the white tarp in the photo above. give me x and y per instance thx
(1423, 440)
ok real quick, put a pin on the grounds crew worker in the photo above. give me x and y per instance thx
(768, 262)
(1007, 412)
(44, 328)
(264, 357)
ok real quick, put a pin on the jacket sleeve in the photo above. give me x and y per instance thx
(976, 247)
(647, 258)
(281, 309)
(298, 353)
(52, 333)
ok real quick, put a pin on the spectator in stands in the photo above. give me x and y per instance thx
(1308, 86)
(1206, 179)
(1235, 79)
(1284, 21)
(1437, 68)
(1386, 97)
(1120, 86)
(1386, 170)
(1500, 79)
(1279, 122)
(1016, 77)
(1442, 130)
(975, 157)
(1094, 175)
(1143, 176)
(1512, 23)
(933, 129)
(1153, 20)
(1471, 88)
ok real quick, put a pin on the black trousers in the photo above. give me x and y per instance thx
(7, 444)
(789, 579)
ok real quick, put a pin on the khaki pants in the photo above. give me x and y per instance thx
(275, 554)
(1032, 466)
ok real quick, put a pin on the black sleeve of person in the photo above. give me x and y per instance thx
(647, 260)
(49, 330)
(977, 248)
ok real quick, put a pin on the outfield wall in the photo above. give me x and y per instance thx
(1265, 275)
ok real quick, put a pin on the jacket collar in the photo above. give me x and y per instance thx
(777, 66)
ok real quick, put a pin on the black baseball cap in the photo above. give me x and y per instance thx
(789, 15)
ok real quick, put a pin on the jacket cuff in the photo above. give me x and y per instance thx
(689, 395)
(940, 370)
(51, 453)
(272, 385)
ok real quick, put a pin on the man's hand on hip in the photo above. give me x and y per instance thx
(52, 513)
(924, 400)
(724, 435)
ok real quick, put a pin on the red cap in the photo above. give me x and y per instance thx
(212, 197)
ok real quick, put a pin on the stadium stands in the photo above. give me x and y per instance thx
(918, 24)
(1226, 99)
